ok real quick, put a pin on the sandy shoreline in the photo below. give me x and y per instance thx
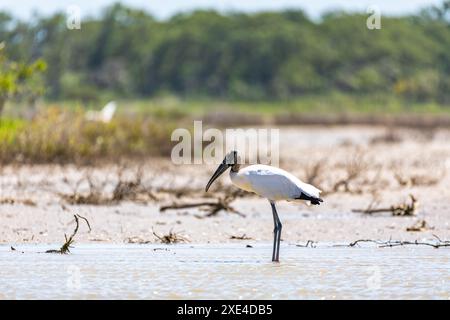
(390, 166)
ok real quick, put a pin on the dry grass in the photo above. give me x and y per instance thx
(124, 189)
(353, 169)
(418, 179)
(389, 137)
(58, 135)
(26, 202)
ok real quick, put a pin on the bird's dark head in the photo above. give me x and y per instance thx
(230, 160)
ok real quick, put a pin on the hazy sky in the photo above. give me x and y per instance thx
(166, 8)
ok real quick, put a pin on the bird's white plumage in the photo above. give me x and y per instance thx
(272, 183)
(105, 115)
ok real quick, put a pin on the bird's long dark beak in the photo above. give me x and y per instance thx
(221, 169)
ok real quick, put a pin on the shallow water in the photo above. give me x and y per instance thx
(223, 271)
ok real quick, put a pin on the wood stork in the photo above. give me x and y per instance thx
(269, 182)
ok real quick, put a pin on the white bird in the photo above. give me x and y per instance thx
(105, 115)
(269, 182)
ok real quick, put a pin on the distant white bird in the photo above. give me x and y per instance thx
(105, 115)
(269, 182)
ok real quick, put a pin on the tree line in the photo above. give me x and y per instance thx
(126, 52)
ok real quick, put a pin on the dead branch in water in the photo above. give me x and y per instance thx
(212, 207)
(171, 237)
(397, 243)
(69, 241)
(403, 209)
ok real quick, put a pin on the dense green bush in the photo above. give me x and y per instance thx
(274, 55)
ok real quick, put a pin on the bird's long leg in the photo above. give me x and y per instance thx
(277, 233)
(275, 230)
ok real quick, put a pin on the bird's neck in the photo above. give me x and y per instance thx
(235, 167)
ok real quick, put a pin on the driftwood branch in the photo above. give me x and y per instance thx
(212, 207)
(70, 240)
(397, 243)
(403, 209)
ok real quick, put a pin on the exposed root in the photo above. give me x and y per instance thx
(65, 249)
(403, 209)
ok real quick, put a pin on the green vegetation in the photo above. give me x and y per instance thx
(59, 135)
(19, 80)
(228, 69)
(126, 53)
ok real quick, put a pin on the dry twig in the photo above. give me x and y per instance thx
(171, 237)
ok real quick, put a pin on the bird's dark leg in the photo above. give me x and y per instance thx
(275, 230)
(276, 233)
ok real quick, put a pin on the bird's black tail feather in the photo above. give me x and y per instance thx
(313, 200)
